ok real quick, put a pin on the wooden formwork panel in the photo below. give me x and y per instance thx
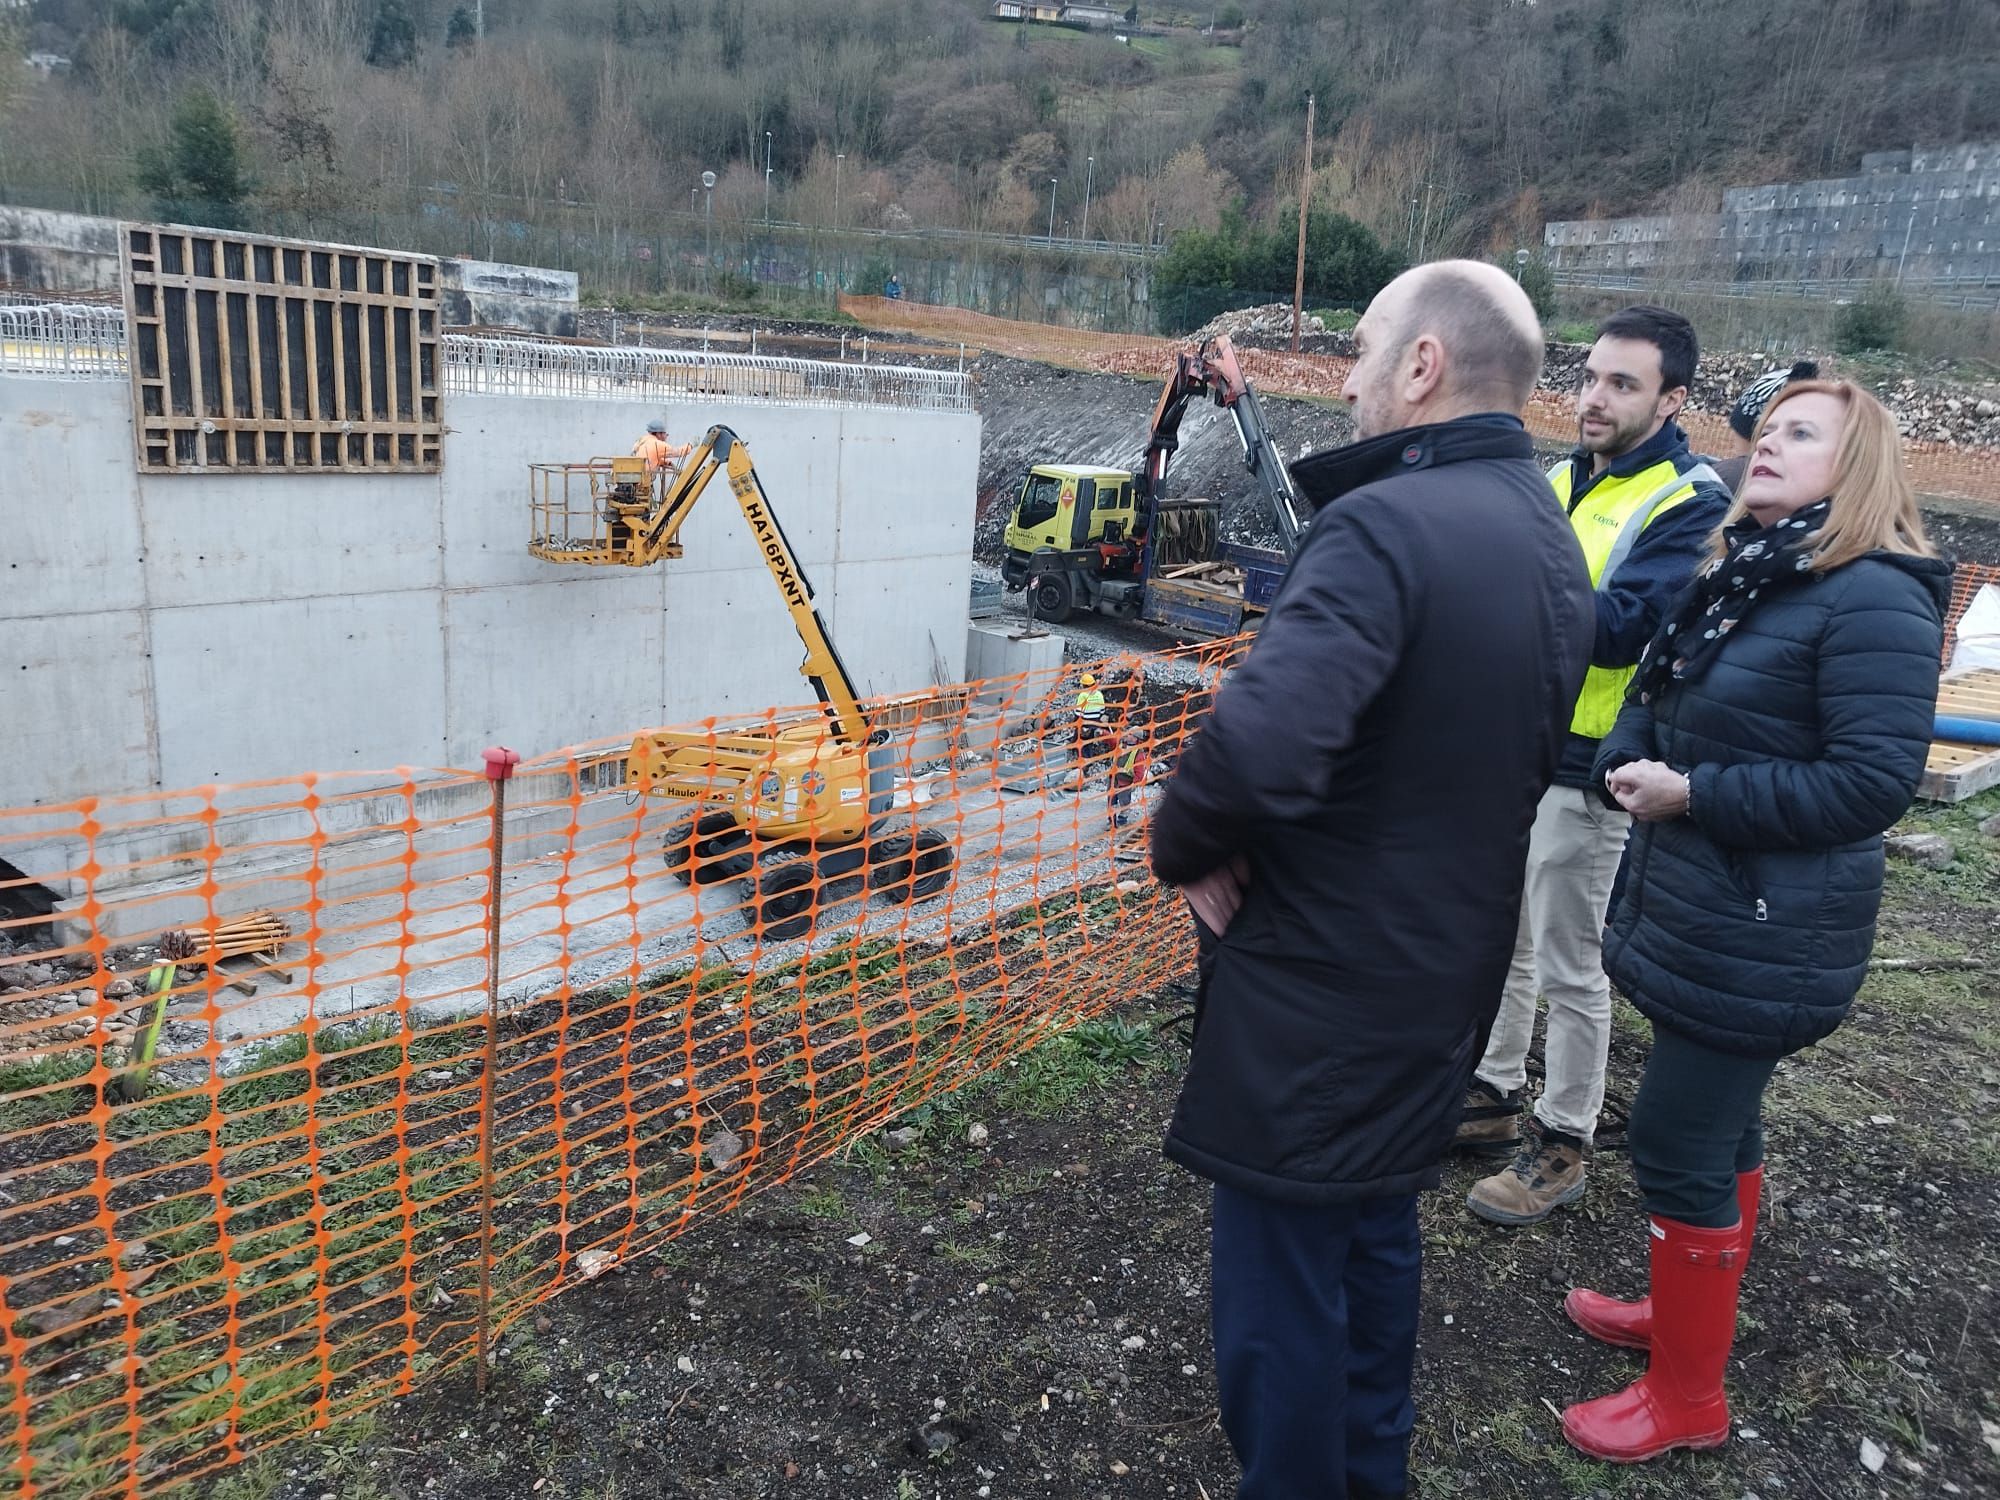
(252, 355)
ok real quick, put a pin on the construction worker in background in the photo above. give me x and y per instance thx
(1090, 723)
(1642, 507)
(1128, 773)
(657, 451)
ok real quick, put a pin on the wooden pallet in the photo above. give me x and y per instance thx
(1955, 771)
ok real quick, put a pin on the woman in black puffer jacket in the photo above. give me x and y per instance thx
(1777, 725)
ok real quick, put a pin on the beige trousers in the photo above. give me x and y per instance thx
(1573, 858)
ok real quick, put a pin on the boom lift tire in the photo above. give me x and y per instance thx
(935, 859)
(787, 895)
(688, 842)
(904, 870)
(721, 849)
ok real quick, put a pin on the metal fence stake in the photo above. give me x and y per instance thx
(500, 763)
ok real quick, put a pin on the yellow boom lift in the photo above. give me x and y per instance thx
(799, 813)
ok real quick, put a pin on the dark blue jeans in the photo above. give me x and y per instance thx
(1696, 1123)
(1315, 1335)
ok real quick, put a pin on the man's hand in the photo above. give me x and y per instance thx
(1218, 894)
(1648, 790)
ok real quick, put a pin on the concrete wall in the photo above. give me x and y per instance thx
(43, 251)
(170, 630)
(484, 293)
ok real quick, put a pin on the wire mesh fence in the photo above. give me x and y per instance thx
(74, 340)
(69, 339)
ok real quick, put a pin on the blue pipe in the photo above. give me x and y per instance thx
(1968, 731)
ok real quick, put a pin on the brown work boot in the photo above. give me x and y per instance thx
(1490, 1122)
(1545, 1175)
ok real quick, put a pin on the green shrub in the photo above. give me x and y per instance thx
(1875, 322)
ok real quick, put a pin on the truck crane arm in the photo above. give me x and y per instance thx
(723, 450)
(1214, 369)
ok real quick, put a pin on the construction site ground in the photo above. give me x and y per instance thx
(1005, 1294)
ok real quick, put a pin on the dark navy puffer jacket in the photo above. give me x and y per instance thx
(1747, 924)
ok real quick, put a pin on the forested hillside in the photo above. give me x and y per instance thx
(1457, 123)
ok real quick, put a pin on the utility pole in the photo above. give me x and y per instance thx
(1305, 197)
(479, 19)
(1052, 210)
(767, 179)
(1424, 234)
(1909, 230)
(1089, 176)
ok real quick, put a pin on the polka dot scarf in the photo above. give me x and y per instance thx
(1760, 560)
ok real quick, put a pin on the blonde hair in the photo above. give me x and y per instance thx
(1874, 506)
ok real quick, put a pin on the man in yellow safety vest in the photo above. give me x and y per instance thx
(1643, 507)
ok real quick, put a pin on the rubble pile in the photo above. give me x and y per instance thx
(49, 999)
(1271, 321)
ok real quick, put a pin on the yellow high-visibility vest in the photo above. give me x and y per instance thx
(1607, 522)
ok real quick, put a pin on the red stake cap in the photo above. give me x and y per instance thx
(500, 762)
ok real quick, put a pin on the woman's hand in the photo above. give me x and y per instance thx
(1648, 790)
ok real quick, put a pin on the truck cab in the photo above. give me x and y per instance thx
(1069, 507)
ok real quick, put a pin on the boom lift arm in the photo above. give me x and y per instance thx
(656, 535)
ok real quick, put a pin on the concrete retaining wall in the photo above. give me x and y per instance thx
(166, 631)
(44, 251)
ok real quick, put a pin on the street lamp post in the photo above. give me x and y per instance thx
(1089, 177)
(708, 223)
(838, 158)
(1052, 210)
(767, 178)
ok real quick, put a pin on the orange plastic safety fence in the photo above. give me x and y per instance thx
(1967, 579)
(288, 1217)
(1943, 470)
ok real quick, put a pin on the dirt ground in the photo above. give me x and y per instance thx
(1010, 1298)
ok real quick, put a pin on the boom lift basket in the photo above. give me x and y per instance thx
(593, 512)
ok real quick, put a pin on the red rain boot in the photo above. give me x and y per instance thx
(1678, 1402)
(1630, 1324)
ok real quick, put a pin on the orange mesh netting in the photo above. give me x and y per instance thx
(292, 1215)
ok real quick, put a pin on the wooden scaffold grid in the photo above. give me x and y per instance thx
(261, 356)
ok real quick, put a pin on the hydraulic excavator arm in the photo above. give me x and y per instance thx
(1213, 369)
(723, 451)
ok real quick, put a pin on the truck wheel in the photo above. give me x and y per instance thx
(1050, 594)
(787, 895)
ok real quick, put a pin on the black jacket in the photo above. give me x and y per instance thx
(1377, 759)
(1633, 601)
(1747, 924)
